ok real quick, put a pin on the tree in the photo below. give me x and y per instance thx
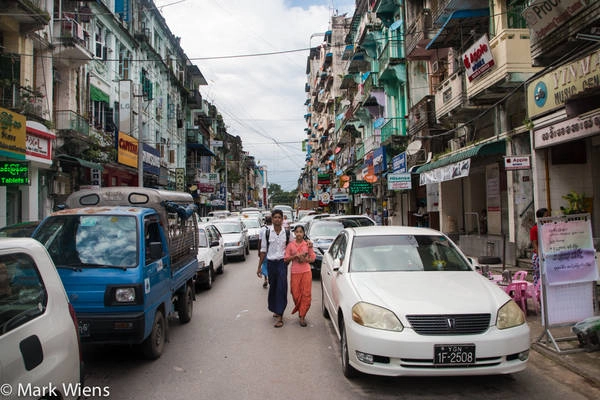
(279, 196)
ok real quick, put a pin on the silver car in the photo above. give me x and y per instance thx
(235, 236)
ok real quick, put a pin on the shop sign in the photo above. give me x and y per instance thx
(399, 181)
(216, 143)
(516, 162)
(127, 150)
(571, 129)
(96, 177)
(14, 173)
(478, 58)
(125, 96)
(323, 179)
(209, 177)
(206, 188)
(180, 179)
(358, 186)
(340, 195)
(325, 198)
(544, 16)
(12, 134)
(453, 171)
(379, 160)
(553, 89)
(399, 163)
(151, 160)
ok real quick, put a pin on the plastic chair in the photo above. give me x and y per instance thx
(520, 276)
(533, 293)
(518, 292)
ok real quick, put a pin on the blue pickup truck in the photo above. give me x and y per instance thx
(127, 259)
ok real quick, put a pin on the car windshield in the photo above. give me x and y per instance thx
(252, 223)
(81, 241)
(229, 227)
(405, 253)
(329, 229)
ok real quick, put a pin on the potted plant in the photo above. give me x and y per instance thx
(576, 203)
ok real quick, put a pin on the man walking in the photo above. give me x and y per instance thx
(272, 247)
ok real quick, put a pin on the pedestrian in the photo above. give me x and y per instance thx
(368, 213)
(533, 236)
(263, 270)
(285, 223)
(300, 253)
(272, 247)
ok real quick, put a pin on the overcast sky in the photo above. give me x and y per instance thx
(261, 98)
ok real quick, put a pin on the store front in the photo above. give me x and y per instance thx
(564, 107)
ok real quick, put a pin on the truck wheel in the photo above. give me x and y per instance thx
(154, 344)
(186, 306)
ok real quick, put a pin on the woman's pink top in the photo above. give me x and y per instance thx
(293, 248)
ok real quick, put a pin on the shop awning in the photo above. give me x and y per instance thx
(202, 149)
(486, 149)
(463, 20)
(83, 163)
(98, 95)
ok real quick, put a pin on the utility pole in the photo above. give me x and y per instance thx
(140, 142)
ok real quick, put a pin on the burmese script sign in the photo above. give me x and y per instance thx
(14, 173)
(569, 255)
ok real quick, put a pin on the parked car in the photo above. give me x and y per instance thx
(235, 237)
(211, 254)
(254, 225)
(406, 301)
(218, 214)
(22, 229)
(353, 220)
(38, 327)
(322, 233)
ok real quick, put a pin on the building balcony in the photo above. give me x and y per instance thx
(512, 66)
(445, 8)
(451, 102)
(29, 14)
(419, 34)
(422, 118)
(371, 143)
(391, 56)
(72, 42)
(393, 127)
(70, 121)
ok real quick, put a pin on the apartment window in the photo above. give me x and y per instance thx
(124, 62)
(146, 85)
(100, 37)
(514, 15)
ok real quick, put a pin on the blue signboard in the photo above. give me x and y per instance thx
(379, 160)
(151, 160)
(399, 163)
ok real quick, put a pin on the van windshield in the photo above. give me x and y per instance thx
(81, 241)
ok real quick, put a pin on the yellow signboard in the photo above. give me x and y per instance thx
(127, 150)
(13, 136)
(553, 89)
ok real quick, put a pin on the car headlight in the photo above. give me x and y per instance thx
(125, 295)
(373, 316)
(509, 316)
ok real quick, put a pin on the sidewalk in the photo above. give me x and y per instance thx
(584, 363)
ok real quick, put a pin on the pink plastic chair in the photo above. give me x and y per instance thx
(533, 293)
(518, 292)
(520, 276)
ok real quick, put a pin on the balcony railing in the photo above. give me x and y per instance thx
(393, 127)
(391, 54)
(67, 120)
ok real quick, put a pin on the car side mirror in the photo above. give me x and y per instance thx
(214, 243)
(337, 263)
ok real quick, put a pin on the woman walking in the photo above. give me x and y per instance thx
(300, 252)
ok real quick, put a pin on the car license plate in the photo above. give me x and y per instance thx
(84, 329)
(453, 354)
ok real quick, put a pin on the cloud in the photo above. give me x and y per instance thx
(261, 98)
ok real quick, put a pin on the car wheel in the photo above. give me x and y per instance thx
(186, 306)
(323, 308)
(347, 369)
(209, 278)
(154, 344)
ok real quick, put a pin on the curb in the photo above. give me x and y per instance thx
(557, 358)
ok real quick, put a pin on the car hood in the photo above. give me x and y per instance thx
(254, 231)
(430, 292)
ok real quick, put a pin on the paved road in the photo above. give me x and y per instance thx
(230, 350)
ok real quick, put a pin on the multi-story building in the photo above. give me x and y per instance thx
(100, 94)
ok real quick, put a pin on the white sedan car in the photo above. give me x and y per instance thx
(211, 254)
(406, 302)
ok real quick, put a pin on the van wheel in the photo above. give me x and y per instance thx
(154, 344)
(186, 306)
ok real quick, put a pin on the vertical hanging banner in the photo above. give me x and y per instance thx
(125, 96)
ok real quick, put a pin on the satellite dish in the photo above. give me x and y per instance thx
(413, 148)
